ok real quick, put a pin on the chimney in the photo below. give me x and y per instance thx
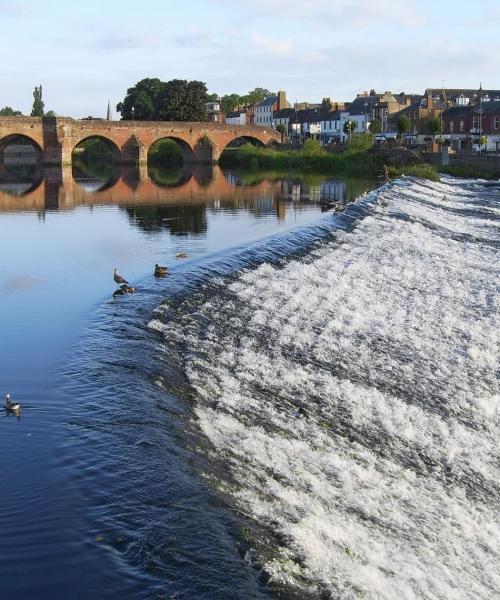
(282, 103)
(429, 100)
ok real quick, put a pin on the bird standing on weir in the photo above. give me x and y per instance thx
(118, 278)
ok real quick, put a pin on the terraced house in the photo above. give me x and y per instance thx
(465, 126)
(264, 111)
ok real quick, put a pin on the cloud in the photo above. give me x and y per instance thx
(492, 15)
(195, 37)
(272, 46)
(336, 14)
(12, 8)
(119, 41)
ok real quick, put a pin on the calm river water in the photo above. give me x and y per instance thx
(110, 488)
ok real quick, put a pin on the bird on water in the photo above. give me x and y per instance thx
(118, 278)
(10, 405)
(123, 290)
(181, 255)
(160, 271)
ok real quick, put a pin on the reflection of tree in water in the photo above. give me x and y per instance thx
(178, 220)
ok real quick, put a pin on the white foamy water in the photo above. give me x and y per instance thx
(352, 398)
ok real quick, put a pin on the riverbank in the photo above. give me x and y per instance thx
(355, 161)
(358, 160)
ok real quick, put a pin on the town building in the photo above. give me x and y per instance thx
(332, 127)
(282, 117)
(214, 112)
(304, 124)
(237, 117)
(420, 112)
(466, 126)
(386, 106)
(264, 111)
(486, 123)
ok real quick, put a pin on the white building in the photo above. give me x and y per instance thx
(238, 117)
(332, 126)
(264, 111)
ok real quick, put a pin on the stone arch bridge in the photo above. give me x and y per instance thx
(57, 137)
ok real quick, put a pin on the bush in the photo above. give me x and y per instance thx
(312, 147)
(360, 143)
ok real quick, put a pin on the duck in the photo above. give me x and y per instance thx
(160, 271)
(181, 255)
(118, 278)
(10, 405)
(124, 289)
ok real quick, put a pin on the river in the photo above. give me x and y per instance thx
(306, 407)
(103, 487)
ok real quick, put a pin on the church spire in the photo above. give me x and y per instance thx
(108, 114)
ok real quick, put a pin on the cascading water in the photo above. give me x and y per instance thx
(350, 399)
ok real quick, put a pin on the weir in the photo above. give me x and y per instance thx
(200, 142)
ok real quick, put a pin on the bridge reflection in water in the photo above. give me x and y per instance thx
(202, 186)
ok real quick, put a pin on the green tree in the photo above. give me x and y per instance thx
(403, 125)
(212, 97)
(182, 100)
(375, 127)
(229, 102)
(38, 104)
(195, 101)
(142, 101)
(349, 127)
(280, 128)
(434, 125)
(257, 95)
(50, 113)
(7, 111)
(175, 100)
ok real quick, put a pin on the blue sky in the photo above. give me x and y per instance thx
(84, 53)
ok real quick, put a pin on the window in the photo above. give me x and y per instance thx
(452, 126)
(462, 126)
(475, 122)
(496, 123)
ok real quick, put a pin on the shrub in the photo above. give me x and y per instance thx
(312, 147)
(360, 143)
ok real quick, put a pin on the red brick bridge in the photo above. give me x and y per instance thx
(57, 137)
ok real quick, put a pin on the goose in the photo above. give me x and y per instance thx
(160, 271)
(181, 255)
(10, 405)
(118, 278)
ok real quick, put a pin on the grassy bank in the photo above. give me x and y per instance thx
(422, 170)
(356, 161)
(468, 171)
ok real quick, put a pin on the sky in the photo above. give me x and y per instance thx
(85, 53)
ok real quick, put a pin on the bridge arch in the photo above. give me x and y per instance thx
(241, 140)
(20, 140)
(115, 152)
(186, 150)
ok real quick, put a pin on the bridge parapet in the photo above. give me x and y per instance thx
(57, 137)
